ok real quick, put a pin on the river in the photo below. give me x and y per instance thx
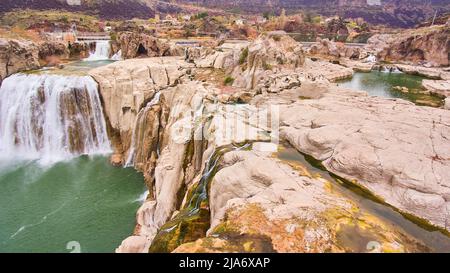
(58, 191)
(383, 84)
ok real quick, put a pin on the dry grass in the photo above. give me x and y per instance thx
(20, 33)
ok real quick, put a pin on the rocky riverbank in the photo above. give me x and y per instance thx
(171, 126)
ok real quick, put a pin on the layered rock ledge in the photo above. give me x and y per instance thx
(395, 149)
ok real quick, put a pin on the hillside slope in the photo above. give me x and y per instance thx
(395, 13)
(108, 9)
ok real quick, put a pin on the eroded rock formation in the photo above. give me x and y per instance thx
(178, 132)
(424, 45)
(394, 148)
(134, 45)
(16, 56)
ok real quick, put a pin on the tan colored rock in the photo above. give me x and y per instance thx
(447, 104)
(126, 86)
(263, 56)
(437, 87)
(133, 244)
(116, 160)
(260, 204)
(327, 48)
(16, 56)
(395, 149)
(331, 72)
(432, 73)
(424, 45)
(133, 45)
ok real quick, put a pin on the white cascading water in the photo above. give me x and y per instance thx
(117, 56)
(101, 53)
(371, 58)
(51, 118)
(131, 153)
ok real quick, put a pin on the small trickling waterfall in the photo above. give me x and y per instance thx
(136, 138)
(371, 58)
(101, 53)
(117, 56)
(51, 117)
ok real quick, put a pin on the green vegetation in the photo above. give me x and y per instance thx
(201, 15)
(244, 55)
(35, 19)
(267, 66)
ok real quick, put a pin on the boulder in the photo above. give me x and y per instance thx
(261, 204)
(437, 87)
(429, 45)
(395, 149)
(264, 56)
(127, 86)
(134, 45)
(16, 56)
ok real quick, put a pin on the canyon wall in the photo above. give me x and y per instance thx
(420, 46)
(204, 189)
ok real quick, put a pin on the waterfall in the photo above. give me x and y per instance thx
(51, 117)
(135, 136)
(101, 53)
(117, 56)
(371, 58)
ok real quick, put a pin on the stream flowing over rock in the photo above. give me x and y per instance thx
(51, 117)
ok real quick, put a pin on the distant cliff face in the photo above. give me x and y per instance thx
(395, 13)
(119, 9)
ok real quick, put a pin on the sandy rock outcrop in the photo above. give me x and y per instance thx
(267, 55)
(331, 72)
(429, 72)
(226, 56)
(48, 49)
(127, 86)
(447, 104)
(260, 204)
(134, 45)
(436, 87)
(327, 48)
(425, 45)
(395, 149)
(16, 56)
(178, 153)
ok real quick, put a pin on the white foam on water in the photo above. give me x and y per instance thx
(51, 118)
(135, 137)
(101, 53)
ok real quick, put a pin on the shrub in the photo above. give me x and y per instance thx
(228, 80)
(244, 55)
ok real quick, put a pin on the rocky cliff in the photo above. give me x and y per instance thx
(207, 193)
(17, 55)
(424, 45)
(135, 45)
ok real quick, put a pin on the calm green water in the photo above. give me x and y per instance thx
(382, 84)
(85, 200)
